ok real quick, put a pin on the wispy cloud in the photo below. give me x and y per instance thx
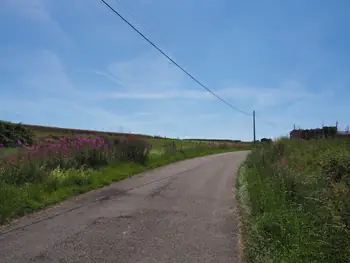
(153, 78)
(259, 98)
(149, 71)
(107, 75)
(160, 95)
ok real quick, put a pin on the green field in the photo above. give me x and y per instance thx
(294, 198)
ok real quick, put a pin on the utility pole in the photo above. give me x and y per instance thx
(254, 125)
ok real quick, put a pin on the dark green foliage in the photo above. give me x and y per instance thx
(336, 168)
(134, 150)
(336, 171)
(267, 140)
(21, 174)
(170, 148)
(11, 133)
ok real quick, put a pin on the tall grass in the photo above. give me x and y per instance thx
(35, 163)
(294, 197)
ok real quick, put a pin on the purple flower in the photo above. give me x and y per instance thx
(19, 142)
(29, 147)
(1, 145)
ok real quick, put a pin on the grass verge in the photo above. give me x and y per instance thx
(17, 201)
(294, 202)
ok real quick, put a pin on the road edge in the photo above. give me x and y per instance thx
(241, 198)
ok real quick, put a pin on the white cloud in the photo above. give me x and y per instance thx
(110, 77)
(258, 98)
(161, 95)
(147, 72)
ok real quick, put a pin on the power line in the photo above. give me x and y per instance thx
(129, 11)
(176, 64)
(273, 124)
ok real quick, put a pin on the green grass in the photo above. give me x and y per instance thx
(294, 201)
(6, 150)
(19, 200)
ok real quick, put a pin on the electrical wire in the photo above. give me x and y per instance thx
(175, 63)
(129, 11)
(273, 124)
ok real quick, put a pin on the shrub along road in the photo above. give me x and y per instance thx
(183, 212)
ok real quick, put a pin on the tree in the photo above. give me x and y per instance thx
(267, 140)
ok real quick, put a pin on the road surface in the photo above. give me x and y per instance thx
(183, 212)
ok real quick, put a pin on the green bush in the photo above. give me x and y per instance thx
(170, 148)
(11, 134)
(134, 150)
(267, 140)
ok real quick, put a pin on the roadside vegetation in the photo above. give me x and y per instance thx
(36, 172)
(294, 199)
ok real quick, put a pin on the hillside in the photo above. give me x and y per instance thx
(58, 131)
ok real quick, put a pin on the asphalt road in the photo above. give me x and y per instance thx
(183, 212)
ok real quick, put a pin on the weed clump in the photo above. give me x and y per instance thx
(12, 133)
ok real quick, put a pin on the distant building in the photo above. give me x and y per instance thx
(295, 134)
(298, 134)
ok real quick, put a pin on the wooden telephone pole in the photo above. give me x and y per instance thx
(254, 126)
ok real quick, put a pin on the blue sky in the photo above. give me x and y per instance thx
(75, 64)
